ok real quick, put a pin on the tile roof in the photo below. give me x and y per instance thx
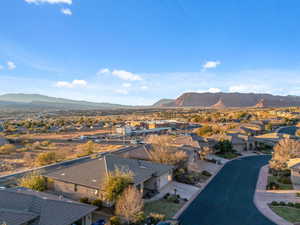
(92, 173)
(17, 205)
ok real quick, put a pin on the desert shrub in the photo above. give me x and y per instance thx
(97, 202)
(7, 149)
(34, 181)
(115, 220)
(46, 158)
(86, 149)
(84, 200)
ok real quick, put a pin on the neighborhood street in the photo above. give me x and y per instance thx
(228, 198)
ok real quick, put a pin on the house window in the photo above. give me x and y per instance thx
(75, 187)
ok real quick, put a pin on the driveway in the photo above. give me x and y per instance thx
(184, 190)
(228, 198)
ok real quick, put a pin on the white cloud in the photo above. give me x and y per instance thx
(69, 2)
(125, 75)
(11, 65)
(121, 74)
(210, 64)
(246, 88)
(1, 67)
(144, 87)
(126, 85)
(103, 71)
(122, 91)
(66, 11)
(214, 90)
(73, 84)
(79, 82)
(210, 90)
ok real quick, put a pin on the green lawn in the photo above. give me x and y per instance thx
(281, 185)
(167, 208)
(290, 214)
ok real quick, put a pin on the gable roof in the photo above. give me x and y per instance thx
(93, 172)
(16, 217)
(18, 206)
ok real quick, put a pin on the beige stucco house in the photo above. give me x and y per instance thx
(85, 179)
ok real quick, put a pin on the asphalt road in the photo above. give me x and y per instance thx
(288, 130)
(228, 198)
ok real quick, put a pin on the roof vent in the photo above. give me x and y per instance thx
(94, 180)
(63, 174)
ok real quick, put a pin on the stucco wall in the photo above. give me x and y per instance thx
(295, 177)
(68, 189)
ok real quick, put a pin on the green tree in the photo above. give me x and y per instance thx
(115, 183)
(224, 146)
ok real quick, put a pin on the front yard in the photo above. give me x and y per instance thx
(291, 214)
(163, 206)
(278, 183)
(228, 155)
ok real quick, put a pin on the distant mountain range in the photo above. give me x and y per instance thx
(192, 99)
(36, 101)
(224, 100)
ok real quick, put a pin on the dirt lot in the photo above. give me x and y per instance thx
(60, 136)
(23, 156)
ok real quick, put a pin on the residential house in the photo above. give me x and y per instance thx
(294, 165)
(85, 179)
(3, 141)
(23, 206)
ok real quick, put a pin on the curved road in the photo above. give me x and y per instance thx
(228, 198)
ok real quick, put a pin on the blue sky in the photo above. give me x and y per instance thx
(138, 51)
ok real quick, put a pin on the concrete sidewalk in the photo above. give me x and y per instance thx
(262, 197)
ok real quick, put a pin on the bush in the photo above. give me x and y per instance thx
(298, 194)
(206, 173)
(290, 204)
(7, 149)
(285, 180)
(115, 220)
(167, 196)
(84, 200)
(297, 205)
(274, 203)
(34, 181)
(97, 202)
(46, 158)
(272, 186)
(282, 203)
(157, 217)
